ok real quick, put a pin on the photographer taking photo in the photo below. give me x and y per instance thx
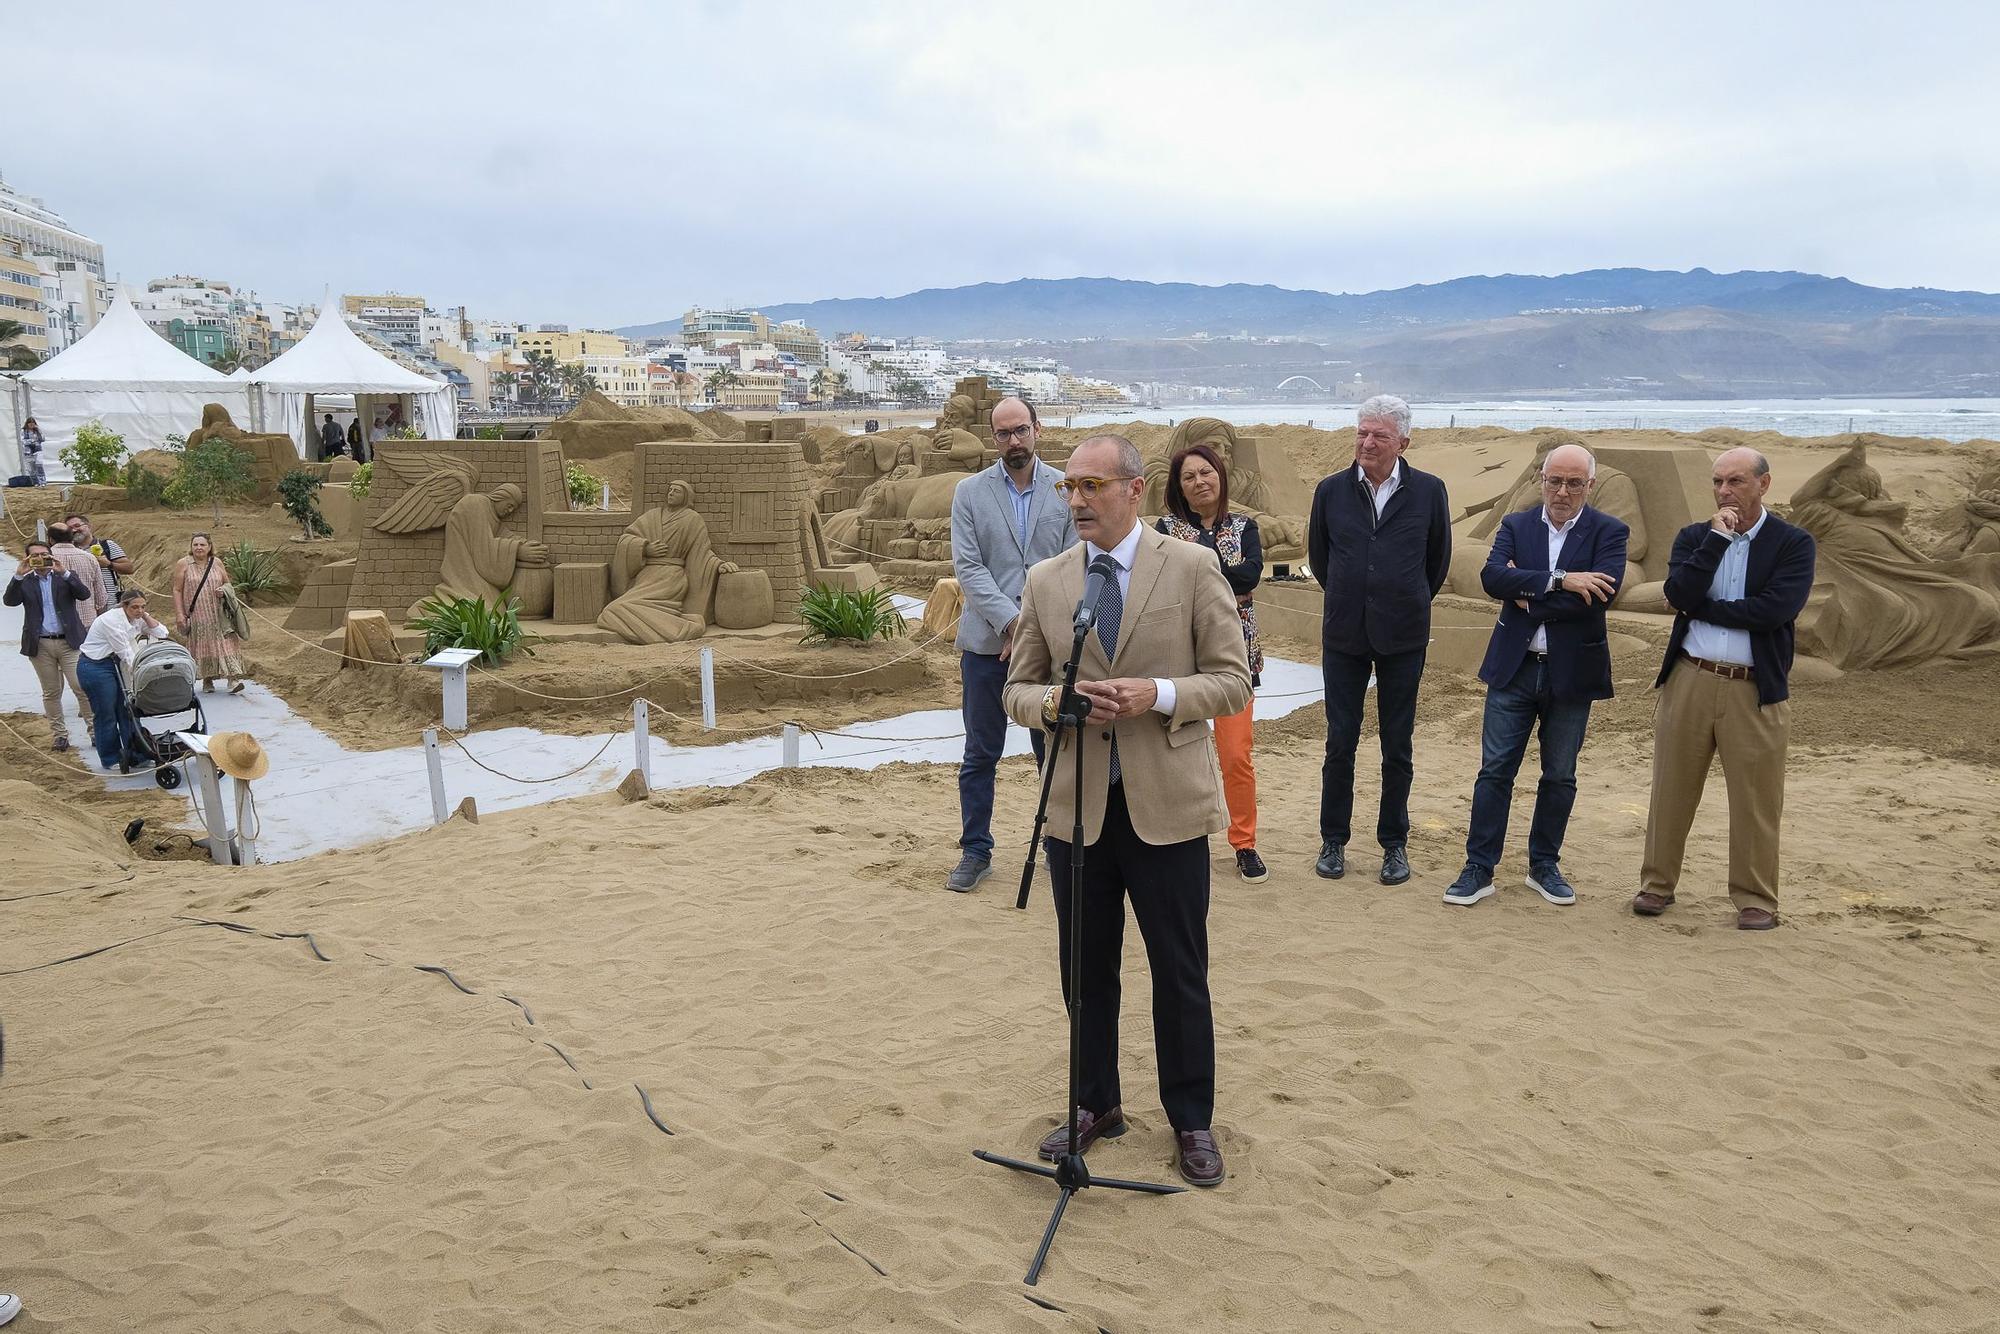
(52, 630)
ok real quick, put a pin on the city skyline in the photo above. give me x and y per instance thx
(649, 160)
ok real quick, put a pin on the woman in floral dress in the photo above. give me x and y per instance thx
(199, 579)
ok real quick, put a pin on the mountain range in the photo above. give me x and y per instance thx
(1075, 308)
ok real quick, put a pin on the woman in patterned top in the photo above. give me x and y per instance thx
(1198, 511)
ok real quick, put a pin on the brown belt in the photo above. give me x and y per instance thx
(1727, 670)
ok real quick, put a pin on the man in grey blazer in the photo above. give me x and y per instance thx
(1003, 520)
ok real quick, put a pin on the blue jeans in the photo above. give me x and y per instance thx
(1511, 713)
(114, 730)
(981, 678)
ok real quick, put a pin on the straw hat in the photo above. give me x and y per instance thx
(238, 755)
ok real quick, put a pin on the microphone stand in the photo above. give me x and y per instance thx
(1069, 1172)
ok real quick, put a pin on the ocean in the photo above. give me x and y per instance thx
(1939, 418)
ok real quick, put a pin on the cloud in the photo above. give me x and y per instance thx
(610, 162)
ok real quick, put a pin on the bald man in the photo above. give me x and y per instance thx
(1736, 584)
(1553, 569)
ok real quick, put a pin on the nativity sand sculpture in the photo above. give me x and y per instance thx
(663, 574)
(271, 456)
(478, 561)
(1249, 492)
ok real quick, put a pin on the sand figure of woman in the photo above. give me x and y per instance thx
(199, 578)
(663, 574)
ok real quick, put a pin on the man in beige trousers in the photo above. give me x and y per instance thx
(1736, 583)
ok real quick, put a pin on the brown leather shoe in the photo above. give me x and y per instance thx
(1201, 1161)
(1755, 919)
(1090, 1128)
(1648, 904)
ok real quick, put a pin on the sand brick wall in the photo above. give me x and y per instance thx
(322, 603)
(749, 494)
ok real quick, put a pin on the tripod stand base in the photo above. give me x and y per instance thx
(1071, 1174)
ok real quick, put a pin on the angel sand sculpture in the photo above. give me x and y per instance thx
(663, 574)
(1877, 601)
(478, 561)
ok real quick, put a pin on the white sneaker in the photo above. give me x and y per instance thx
(10, 1306)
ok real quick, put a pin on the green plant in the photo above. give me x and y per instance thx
(584, 487)
(175, 443)
(214, 471)
(489, 433)
(835, 613)
(298, 492)
(472, 623)
(253, 571)
(95, 457)
(406, 433)
(143, 486)
(364, 477)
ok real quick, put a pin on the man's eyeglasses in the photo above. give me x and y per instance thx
(1566, 483)
(1001, 434)
(1089, 487)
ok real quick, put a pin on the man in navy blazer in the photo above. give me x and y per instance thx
(1737, 584)
(1554, 569)
(51, 631)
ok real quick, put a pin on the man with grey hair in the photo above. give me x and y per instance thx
(1736, 584)
(1003, 520)
(1554, 570)
(1379, 542)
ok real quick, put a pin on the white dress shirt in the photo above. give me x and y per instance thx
(1122, 556)
(1557, 536)
(116, 633)
(1388, 488)
(1714, 642)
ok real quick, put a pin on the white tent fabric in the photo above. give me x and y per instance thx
(332, 359)
(123, 374)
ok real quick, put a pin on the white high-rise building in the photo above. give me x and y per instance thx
(79, 296)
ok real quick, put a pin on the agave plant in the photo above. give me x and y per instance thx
(472, 623)
(253, 571)
(835, 613)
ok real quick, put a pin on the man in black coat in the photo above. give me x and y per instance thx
(1737, 584)
(51, 631)
(1554, 568)
(1379, 542)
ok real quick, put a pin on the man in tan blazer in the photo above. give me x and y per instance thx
(1165, 656)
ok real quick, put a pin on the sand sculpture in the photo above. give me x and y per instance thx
(598, 428)
(1279, 509)
(1877, 601)
(663, 574)
(1981, 534)
(271, 456)
(479, 562)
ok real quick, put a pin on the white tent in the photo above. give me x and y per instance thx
(123, 374)
(332, 359)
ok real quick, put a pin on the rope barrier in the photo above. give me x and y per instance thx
(459, 741)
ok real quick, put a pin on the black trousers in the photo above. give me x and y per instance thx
(1168, 885)
(1397, 676)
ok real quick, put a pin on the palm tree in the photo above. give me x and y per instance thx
(507, 382)
(828, 384)
(18, 356)
(721, 379)
(576, 381)
(542, 376)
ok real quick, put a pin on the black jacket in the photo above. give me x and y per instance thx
(25, 591)
(1379, 576)
(1776, 585)
(1579, 663)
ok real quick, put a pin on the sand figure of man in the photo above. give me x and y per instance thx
(478, 561)
(663, 574)
(1247, 490)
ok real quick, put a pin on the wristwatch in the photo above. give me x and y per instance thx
(1556, 578)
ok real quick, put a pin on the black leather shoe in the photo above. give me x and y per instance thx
(1200, 1159)
(1090, 1128)
(1395, 866)
(1332, 863)
(1251, 867)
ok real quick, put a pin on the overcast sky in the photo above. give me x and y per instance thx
(612, 163)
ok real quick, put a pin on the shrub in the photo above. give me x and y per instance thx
(364, 477)
(143, 486)
(584, 487)
(298, 492)
(94, 459)
(214, 471)
(253, 571)
(472, 623)
(489, 433)
(833, 613)
(175, 443)
(406, 433)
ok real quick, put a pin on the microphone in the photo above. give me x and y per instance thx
(1101, 569)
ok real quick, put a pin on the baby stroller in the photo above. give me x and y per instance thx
(161, 684)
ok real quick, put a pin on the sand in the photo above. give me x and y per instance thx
(1509, 1118)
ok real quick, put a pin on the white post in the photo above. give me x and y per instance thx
(246, 842)
(708, 688)
(791, 745)
(435, 760)
(453, 662)
(212, 813)
(642, 741)
(605, 499)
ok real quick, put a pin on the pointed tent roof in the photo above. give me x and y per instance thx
(123, 352)
(239, 373)
(332, 359)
